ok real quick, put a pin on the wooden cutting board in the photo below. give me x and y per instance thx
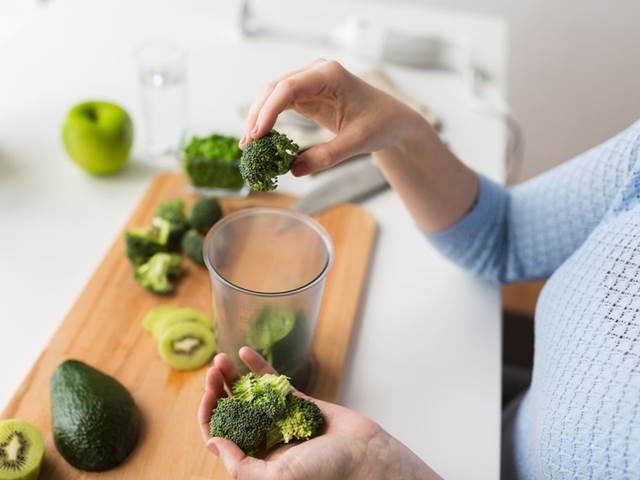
(104, 329)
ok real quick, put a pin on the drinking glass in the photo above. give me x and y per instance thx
(162, 78)
(268, 268)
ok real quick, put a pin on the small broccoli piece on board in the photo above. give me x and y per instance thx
(143, 243)
(155, 275)
(265, 158)
(204, 214)
(172, 212)
(192, 244)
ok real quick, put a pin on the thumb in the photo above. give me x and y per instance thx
(236, 462)
(325, 155)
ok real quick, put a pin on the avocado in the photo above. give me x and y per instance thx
(95, 421)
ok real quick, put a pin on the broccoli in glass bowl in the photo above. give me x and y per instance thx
(212, 164)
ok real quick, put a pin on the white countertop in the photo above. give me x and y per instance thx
(425, 360)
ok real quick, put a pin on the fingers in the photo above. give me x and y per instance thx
(235, 461)
(254, 361)
(256, 106)
(228, 369)
(228, 452)
(301, 85)
(214, 389)
(326, 155)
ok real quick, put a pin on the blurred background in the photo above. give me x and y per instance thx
(570, 71)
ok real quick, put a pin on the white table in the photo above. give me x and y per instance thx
(425, 361)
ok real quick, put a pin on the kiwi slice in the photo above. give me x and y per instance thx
(21, 450)
(180, 315)
(154, 316)
(187, 345)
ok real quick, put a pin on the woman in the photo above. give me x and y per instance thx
(578, 224)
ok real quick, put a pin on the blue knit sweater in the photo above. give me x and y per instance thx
(579, 224)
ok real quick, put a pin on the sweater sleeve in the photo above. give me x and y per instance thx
(526, 232)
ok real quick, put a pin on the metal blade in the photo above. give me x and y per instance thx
(358, 181)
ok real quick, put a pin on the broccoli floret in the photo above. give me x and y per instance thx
(263, 412)
(266, 158)
(241, 422)
(204, 214)
(192, 243)
(143, 243)
(213, 162)
(267, 392)
(155, 275)
(172, 212)
(302, 420)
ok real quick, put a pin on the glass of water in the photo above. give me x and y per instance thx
(162, 77)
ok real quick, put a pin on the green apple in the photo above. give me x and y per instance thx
(97, 136)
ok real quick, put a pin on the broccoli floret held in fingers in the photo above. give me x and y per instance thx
(204, 214)
(192, 244)
(265, 158)
(156, 274)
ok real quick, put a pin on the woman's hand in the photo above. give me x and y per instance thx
(351, 446)
(363, 118)
(434, 185)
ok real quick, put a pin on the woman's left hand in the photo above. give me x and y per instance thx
(351, 447)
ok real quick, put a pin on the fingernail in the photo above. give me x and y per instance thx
(211, 445)
(300, 168)
(255, 130)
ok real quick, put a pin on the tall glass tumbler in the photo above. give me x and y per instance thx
(163, 90)
(268, 268)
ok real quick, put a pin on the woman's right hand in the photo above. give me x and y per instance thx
(350, 447)
(434, 185)
(363, 118)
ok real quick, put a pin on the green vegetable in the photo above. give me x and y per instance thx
(95, 422)
(173, 213)
(267, 392)
(263, 412)
(213, 162)
(240, 422)
(266, 158)
(269, 325)
(302, 419)
(155, 274)
(192, 243)
(204, 214)
(143, 243)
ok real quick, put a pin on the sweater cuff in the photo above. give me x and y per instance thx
(489, 202)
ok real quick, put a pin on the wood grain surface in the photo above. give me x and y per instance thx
(103, 329)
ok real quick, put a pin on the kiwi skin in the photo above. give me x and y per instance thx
(25, 463)
(204, 345)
